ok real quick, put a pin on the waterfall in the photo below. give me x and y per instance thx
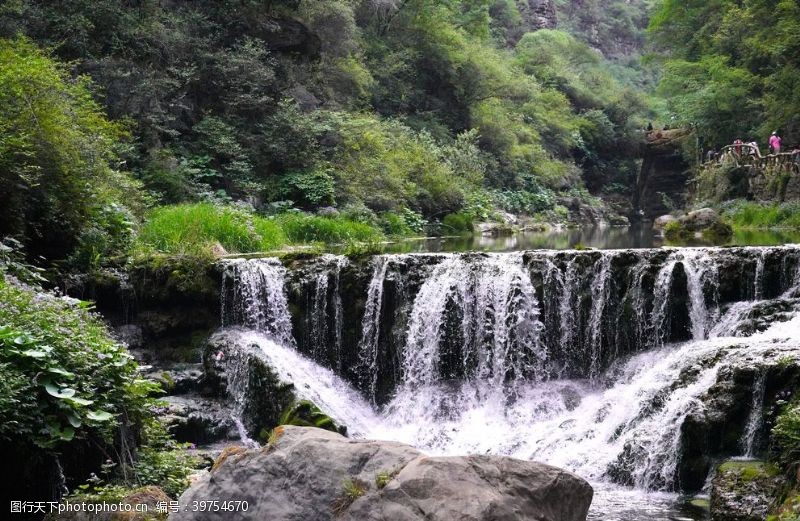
(758, 279)
(324, 317)
(755, 419)
(370, 326)
(569, 317)
(254, 295)
(638, 302)
(701, 273)
(728, 324)
(701, 270)
(599, 293)
(562, 357)
(498, 339)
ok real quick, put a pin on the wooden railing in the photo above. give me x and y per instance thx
(749, 155)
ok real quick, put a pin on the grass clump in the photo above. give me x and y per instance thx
(745, 214)
(352, 489)
(303, 229)
(384, 477)
(196, 229)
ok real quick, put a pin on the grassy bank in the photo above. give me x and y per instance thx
(195, 229)
(751, 215)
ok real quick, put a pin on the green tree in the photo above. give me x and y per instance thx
(58, 166)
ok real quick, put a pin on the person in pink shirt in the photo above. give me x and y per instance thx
(775, 143)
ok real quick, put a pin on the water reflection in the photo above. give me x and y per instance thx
(601, 237)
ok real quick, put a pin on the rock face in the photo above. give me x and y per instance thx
(744, 491)
(538, 14)
(313, 474)
(253, 391)
(662, 182)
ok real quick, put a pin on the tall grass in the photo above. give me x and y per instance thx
(301, 228)
(760, 216)
(195, 228)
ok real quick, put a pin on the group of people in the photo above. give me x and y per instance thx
(775, 144)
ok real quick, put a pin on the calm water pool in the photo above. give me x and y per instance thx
(591, 237)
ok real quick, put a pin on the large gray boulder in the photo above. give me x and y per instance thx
(311, 474)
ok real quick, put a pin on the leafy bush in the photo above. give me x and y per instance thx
(309, 189)
(526, 202)
(78, 383)
(394, 224)
(457, 223)
(57, 156)
(786, 437)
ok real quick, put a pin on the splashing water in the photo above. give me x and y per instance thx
(493, 395)
(254, 295)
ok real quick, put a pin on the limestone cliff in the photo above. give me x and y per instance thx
(538, 14)
(662, 183)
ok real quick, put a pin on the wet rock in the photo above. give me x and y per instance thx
(661, 222)
(744, 491)
(494, 229)
(313, 474)
(699, 220)
(130, 335)
(252, 390)
(198, 420)
(178, 378)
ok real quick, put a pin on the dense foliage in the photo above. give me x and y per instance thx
(384, 106)
(732, 68)
(67, 388)
(59, 189)
(66, 378)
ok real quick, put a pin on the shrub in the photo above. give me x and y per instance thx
(786, 437)
(57, 155)
(394, 224)
(309, 189)
(676, 232)
(457, 223)
(78, 383)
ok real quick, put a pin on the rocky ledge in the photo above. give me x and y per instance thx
(308, 473)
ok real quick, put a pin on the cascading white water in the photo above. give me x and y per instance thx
(755, 419)
(599, 291)
(370, 325)
(758, 279)
(321, 339)
(254, 295)
(629, 427)
(701, 273)
(499, 316)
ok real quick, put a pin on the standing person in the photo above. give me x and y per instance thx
(738, 143)
(775, 143)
